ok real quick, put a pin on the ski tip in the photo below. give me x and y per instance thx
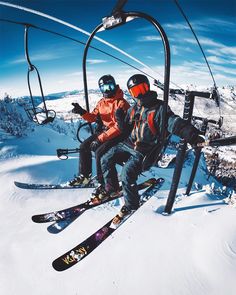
(34, 219)
(55, 266)
(58, 266)
(18, 184)
(22, 185)
(37, 219)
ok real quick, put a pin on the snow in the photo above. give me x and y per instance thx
(190, 252)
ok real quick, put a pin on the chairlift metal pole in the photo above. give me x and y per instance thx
(197, 159)
(188, 111)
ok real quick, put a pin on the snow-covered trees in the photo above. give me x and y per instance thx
(13, 119)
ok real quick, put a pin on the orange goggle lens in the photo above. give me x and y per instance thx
(139, 89)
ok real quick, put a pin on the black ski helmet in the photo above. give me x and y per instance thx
(138, 85)
(107, 85)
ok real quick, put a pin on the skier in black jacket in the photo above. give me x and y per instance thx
(142, 125)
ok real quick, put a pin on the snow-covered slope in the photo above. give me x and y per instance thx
(192, 251)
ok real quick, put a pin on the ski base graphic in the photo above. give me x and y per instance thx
(82, 250)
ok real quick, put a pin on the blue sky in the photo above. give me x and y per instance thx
(59, 60)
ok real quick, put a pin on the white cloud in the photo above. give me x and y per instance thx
(198, 74)
(18, 61)
(75, 74)
(203, 41)
(37, 57)
(216, 59)
(149, 38)
(180, 50)
(96, 61)
(227, 70)
(203, 25)
(213, 24)
(174, 50)
(231, 50)
(222, 22)
(217, 50)
(213, 51)
(177, 26)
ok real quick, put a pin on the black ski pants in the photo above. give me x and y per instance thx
(132, 168)
(85, 159)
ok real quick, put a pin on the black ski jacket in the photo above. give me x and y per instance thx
(137, 129)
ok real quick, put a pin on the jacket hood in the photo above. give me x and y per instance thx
(148, 99)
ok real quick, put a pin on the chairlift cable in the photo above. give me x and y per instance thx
(55, 19)
(83, 43)
(185, 17)
(199, 44)
(99, 39)
(78, 41)
(82, 31)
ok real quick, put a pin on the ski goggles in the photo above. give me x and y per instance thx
(107, 87)
(141, 88)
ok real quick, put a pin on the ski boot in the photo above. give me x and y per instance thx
(124, 212)
(80, 180)
(100, 195)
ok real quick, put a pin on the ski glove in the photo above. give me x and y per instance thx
(94, 145)
(78, 109)
(191, 134)
(120, 118)
(100, 126)
(196, 139)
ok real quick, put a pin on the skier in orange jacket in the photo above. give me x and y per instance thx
(108, 134)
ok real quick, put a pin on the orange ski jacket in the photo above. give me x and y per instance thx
(106, 108)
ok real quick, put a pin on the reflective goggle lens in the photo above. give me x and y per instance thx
(107, 87)
(139, 89)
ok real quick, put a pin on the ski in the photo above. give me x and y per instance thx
(38, 186)
(83, 249)
(77, 210)
(166, 160)
(58, 226)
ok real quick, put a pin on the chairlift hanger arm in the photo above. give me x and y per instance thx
(33, 114)
(117, 16)
(26, 43)
(119, 6)
(77, 41)
(165, 41)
